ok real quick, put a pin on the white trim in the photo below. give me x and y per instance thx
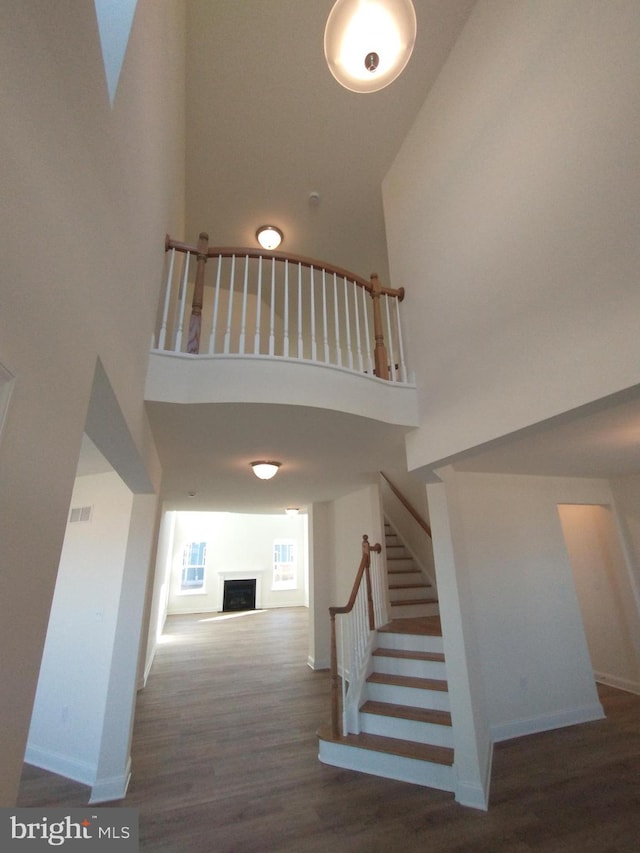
(61, 765)
(471, 794)
(111, 788)
(546, 722)
(7, 381)
(615, 681)
(317, 666)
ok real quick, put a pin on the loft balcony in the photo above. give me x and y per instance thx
(241, 325)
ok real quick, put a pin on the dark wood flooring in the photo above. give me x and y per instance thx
(225, 761)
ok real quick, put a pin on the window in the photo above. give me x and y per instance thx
(193, 560)
(284, 564)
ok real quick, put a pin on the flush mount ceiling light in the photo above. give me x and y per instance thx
(367, 43)
(265, 470)
(269, 237)
(292, 510)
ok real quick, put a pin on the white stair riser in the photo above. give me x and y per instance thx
(411, 770)
(411, 593)
(410, 642)
(411, 611)
(396, 560)
(437, 700)
(431, 733)
(405, 666)
(405, 577)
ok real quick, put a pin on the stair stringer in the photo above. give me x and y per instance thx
(425, 570)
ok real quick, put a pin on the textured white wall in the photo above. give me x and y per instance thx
(511, 213)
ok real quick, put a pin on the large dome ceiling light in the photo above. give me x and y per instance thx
(367, 43)
(269, 237)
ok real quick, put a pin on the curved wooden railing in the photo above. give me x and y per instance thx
(273, 304)
(367, 611)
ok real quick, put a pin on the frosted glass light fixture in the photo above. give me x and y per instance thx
(265, 470)
(269, 237)
(367, 43)
(292, 510)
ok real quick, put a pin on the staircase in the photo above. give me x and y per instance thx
(404, 716)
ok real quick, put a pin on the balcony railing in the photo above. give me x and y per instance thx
(234, 301)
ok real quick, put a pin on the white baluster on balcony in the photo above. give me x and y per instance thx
(347, 325)
(243, 321)
(227, 335)
(356, 311)
(390, 347)
(325, 331)
(314, 352)
(367, 338)
(285, 342)
(336, 320)
(272, 313)
(182, 298)
(403, 366)
(256, 338)
(167, 298)
(300, 341)
(216, 300)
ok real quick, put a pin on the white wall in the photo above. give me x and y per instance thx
(88, 193)
(535, 662)
(511, 214)
(352, 516)
(69, 710)
(238, 545)
(607, 603)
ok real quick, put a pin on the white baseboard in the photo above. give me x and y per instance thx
(619, 683)
(317, 665)
(111, 788)
(473, 794)
(61, 765)
(546, 722)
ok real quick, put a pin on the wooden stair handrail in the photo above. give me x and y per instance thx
(408, 506)
(363, 569)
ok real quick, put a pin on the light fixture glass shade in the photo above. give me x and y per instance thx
(292, 510)
(269, 237)
(265, 470)
(367, 43)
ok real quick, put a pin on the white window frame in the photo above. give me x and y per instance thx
(187, 565)
(284, 572)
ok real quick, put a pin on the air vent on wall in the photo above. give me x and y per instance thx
(80, 513)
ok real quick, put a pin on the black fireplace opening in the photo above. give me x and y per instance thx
(239, 595)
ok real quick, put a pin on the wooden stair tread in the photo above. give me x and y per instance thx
(381, 651)
(407, 712)
(408, 681)
(410, 586)
(392, 746)
(405, 602)
(428, 626)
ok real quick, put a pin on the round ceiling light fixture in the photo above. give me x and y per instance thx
(265, 470)
(269, 237)
(367, 43)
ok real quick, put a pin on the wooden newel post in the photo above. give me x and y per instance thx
(195, 321)
(380, 357)
(366, 553)
(335, 685)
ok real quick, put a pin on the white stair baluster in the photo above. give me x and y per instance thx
(182, 297)
(300, 340)
(256, 339)
(227, 336)
(216, 300)
(314, 354)
(336, 321)
(347, 325)
(272, 314)
(367, 339)
(167, 297)
(285, 342)
(403, 366)
(358, 338)
(390, 347)
(243, 322)
(325, 331)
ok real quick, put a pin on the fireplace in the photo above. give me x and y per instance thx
(239, 595)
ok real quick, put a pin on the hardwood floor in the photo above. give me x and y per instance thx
(225, 761)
